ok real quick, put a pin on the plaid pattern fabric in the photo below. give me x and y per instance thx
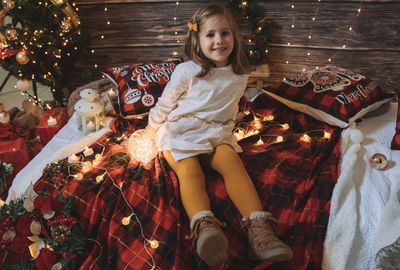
(140, 85)
(331, 93)
(396, 137)
(294, 179)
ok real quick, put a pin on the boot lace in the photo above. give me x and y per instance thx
(258, 228)
(201, 224)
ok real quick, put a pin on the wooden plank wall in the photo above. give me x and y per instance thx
(145, 30)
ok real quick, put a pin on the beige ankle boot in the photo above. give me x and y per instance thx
(263, 243)
(212, 244)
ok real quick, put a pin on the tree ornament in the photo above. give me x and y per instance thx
(66, 25)
(52, 39)
(36, 227)
(22, 58)
(60, 232)
(57, 266)
(11, 34)
(378, 161)
(22, 85)
(4, 115)
(8, 4)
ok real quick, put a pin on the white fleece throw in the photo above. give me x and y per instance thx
(362, 218)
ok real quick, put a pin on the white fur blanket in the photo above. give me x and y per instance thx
(365, 210)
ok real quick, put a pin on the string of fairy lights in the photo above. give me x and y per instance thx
(86, 166)
(108, 23)
(309, 37)
(243, 130)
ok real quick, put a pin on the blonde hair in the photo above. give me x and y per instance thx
(237, 58)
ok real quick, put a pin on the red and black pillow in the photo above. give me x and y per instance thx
(331, 94)
(139, 86)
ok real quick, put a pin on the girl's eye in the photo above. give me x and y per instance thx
(210, 35)
(225, 33)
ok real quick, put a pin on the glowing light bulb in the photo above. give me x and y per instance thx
(268, 117)
(126, 220)
(279, 139)
(154, 244)
(285, 126)
(305, 138)
(78, 176)
(100, 178)
(239, 134)
(327, 135)
(86, 166)
(256, 123)
(260, 142)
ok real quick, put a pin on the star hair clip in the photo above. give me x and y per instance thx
(192, 26)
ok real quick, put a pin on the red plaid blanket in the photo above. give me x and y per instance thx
(294, 178)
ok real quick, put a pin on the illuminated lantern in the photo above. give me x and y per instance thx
(90, 111)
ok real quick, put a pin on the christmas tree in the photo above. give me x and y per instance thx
(255, 43)
(42, 43)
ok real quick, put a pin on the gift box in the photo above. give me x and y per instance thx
(15, 152)
(52, 121)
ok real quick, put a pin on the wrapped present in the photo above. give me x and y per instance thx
(15, 152)
(52, 121)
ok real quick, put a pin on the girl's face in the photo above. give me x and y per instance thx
(216, 39)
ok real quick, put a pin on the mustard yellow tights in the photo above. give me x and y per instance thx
(225, 161)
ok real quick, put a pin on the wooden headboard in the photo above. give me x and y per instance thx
(145, 30)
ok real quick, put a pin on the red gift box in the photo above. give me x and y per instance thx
(15, 152)
(46, 131)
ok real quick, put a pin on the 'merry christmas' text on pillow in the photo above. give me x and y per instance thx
(140, 85)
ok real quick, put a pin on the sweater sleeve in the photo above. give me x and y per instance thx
(177, 85)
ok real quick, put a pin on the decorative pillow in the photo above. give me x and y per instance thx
(396, 137)
(331, 94)
(139, 86)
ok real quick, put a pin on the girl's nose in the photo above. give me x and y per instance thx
(219, 39)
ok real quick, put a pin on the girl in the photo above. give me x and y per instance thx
(193, 121)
